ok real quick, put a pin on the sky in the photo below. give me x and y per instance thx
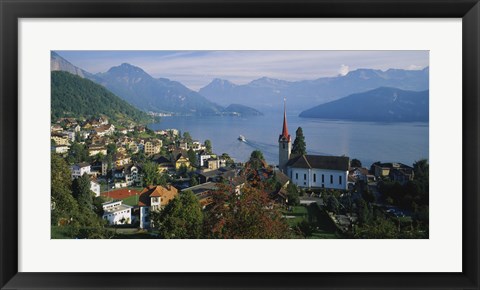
(196, 69)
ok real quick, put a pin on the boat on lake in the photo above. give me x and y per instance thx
(242, 138)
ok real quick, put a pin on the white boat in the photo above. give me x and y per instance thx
(242, 138)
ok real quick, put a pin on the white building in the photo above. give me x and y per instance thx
(80, 169)
(95, 187)
(62, 149)
(316, 171)
(117, 213)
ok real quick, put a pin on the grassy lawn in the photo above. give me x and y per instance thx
(131, 200)
(126, 233)
(324, 226)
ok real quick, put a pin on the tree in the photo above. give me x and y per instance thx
(82, 192)
(192, 157)
(111, 149)
(151, 176)
(63, 204)
(299, 147)
(78, 153)
(187, 138)
(249, 215)
(208, 146)
(182, 218)
(256, 160)
(355, 163)
(293, 194)
(332, 204)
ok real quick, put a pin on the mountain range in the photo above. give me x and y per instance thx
(221, 97)
(378, 105)
(265, 93)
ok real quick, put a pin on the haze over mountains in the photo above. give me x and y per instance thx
(265, 93)
(162, 95)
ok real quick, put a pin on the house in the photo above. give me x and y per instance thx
(96, 149)
(179, 158)
(401, 175)
(317, 171)
(104, 130)
(60, 139)
(62, 149)
(218, 175)
(163, 164)
(154, 198)
(395, 171)
(116, 213)
(152, 147)
(121, 159)
(56, 128)
(127, 175)
(203, 156)
(80, 169)
(95, 187)
(203, 192)
(197, 146)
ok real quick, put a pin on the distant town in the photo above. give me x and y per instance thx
(131, 182)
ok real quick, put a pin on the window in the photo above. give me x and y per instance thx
(314, 177)
(340, 179)
(331, 179)
(323, 178)
(296, 175)
(283, 144)
(304, 177)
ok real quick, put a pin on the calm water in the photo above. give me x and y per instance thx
(368, 142)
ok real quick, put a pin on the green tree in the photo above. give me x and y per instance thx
(63, 204)
(82, 192)
(111, 149)
(192, 157)
(182, 218)
(355, 163)
(293, 194)
(299, 147)
(332, 204)
(151, 176)
(78, 153)
(256, 160)
(187, 138)
(208, 146)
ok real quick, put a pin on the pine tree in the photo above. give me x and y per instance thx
(299, 146)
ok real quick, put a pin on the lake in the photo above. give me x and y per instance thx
(366, 141)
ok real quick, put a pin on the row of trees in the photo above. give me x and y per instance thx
(249, 215)
(73, 204)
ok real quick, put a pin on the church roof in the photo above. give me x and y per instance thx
(285, 135)
(320, 162)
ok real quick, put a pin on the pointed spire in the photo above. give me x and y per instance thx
(285, 134)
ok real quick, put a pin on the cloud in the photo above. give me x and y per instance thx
(414, 67)
(344, 69)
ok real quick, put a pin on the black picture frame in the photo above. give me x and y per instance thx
(11, 11)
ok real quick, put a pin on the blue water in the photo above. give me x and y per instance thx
(366, 141)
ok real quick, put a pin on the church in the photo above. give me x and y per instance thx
(311, 171)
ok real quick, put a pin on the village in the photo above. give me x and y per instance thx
(134, 173)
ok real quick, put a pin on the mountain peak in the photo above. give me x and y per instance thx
(126, 68)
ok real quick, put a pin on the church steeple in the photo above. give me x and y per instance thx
(284, 142)
(285, 134)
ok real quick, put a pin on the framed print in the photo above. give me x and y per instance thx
(324, 144)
